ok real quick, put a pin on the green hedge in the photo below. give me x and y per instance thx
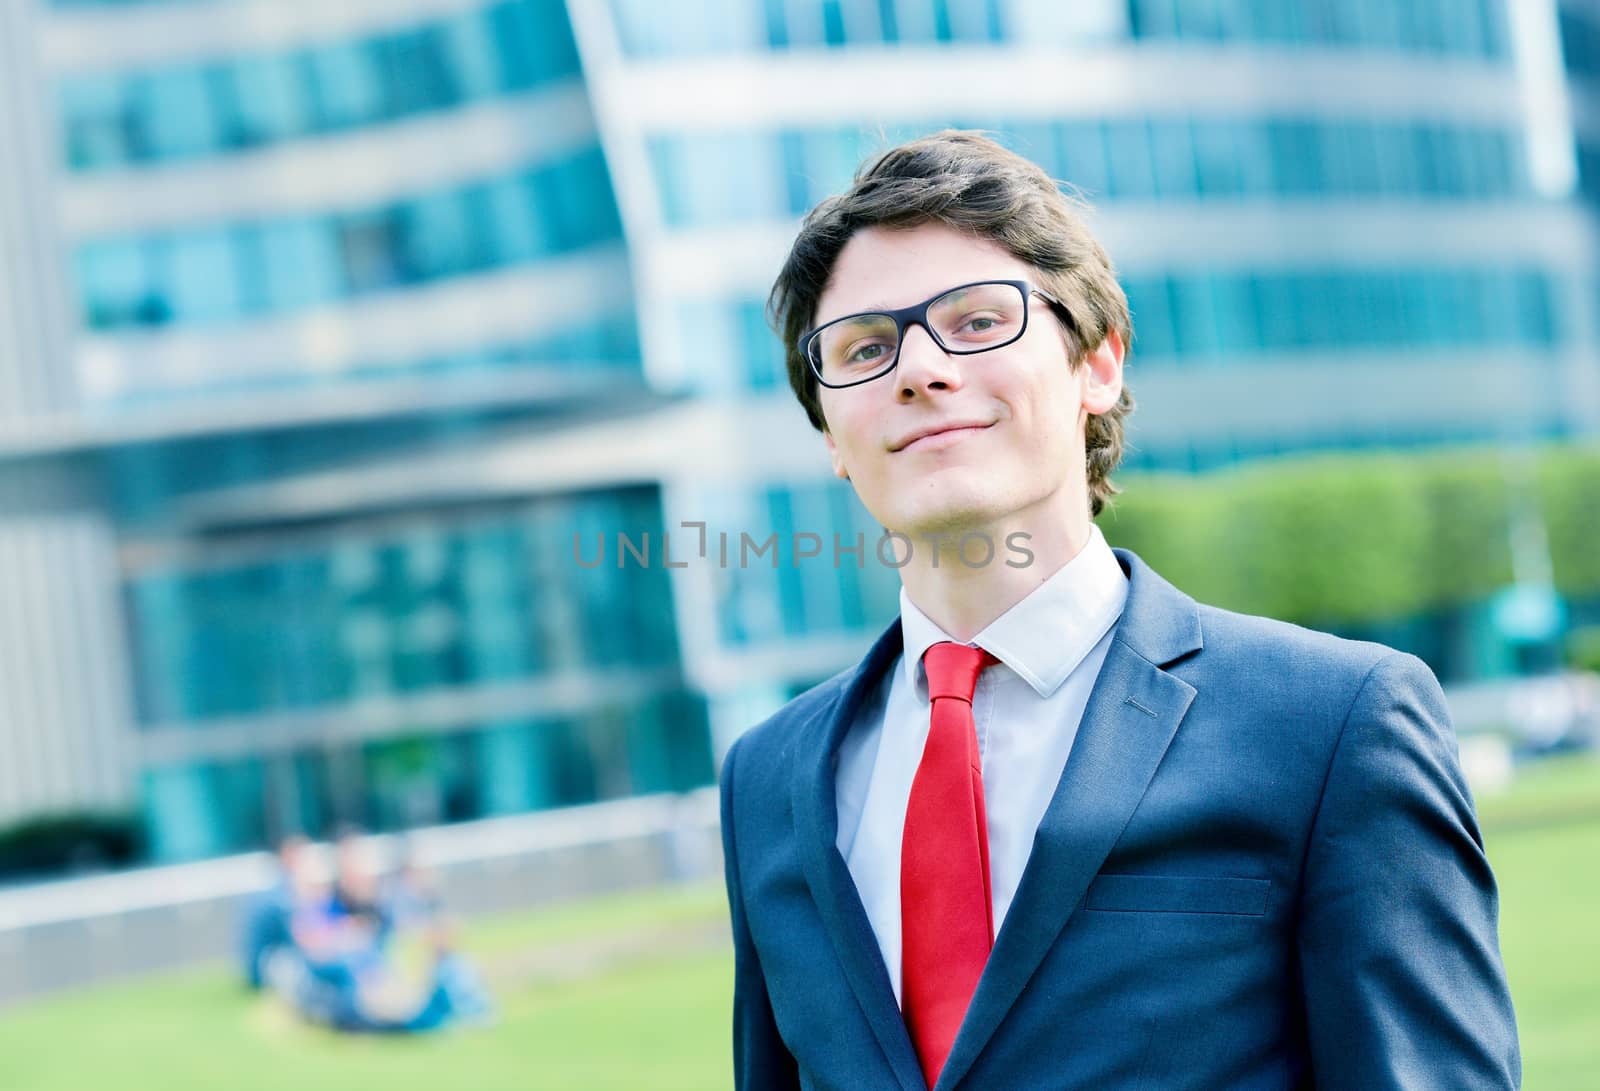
(1354, 538)
(1583, 648)
(1569, 486)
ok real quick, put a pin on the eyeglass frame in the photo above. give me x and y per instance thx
(917, 315)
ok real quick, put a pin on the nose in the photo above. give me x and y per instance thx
(922, 366)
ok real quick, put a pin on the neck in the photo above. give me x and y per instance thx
(961, 595)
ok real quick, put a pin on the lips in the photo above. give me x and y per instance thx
(926, 437)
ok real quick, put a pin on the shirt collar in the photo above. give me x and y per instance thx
(1044, 637)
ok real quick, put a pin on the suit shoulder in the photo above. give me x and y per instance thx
(1271, 649)
(770, 743)
(1284, 684)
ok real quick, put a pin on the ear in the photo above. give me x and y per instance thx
(835, 457)
(1102, 381)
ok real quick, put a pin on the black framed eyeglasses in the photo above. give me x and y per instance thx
(964, 320)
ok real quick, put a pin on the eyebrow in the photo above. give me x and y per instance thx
(880, 307)
(871, 308)
(962, 290)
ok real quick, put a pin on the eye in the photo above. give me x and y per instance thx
(981, 323)
(867, 353)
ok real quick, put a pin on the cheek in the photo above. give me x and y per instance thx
(836, 420)
(850, 439)
(1055, 401)
(830, 411)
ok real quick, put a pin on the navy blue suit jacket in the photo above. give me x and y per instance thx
(1261, 868)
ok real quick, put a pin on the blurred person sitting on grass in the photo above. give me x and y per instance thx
(339, 971)
(409, 893)
(267, 917)
(356, 895)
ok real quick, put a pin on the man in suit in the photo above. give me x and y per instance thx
(1063, 826)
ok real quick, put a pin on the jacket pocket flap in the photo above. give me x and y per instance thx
(1178, 894)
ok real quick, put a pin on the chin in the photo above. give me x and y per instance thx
(955, 516)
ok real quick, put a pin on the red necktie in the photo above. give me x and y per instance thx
(946, 914)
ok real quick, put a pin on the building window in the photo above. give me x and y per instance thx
(233, 272)
(186, 112)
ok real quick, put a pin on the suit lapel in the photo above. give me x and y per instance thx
(817, 827)
(1132, 713)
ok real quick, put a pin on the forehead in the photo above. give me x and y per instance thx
(896, 267)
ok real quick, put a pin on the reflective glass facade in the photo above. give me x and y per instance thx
(736, 177)
(236, 104)
(216, 274)
(1466, 28)
(450, 601)
(733, 339)
(767, 596)
(1234, 315)
(1580, 43)
(513, 679)
(427, 619)
(91, 4)
(206, 807)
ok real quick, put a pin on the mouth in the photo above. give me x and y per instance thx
(943, 437)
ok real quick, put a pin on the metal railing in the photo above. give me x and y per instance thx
(72, 932)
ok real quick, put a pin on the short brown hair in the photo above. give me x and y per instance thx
(966, 181)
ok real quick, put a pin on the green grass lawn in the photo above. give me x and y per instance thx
(632, 992)
(639, 1021)
(1543, 840)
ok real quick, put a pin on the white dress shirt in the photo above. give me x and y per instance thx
(1026, 710)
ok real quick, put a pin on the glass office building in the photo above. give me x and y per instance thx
(335, 338)
(293, 239)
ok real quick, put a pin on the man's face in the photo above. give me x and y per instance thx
(1011, 449)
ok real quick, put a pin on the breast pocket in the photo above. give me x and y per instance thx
(1178, 894)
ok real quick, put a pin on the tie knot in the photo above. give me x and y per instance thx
(953, 669)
